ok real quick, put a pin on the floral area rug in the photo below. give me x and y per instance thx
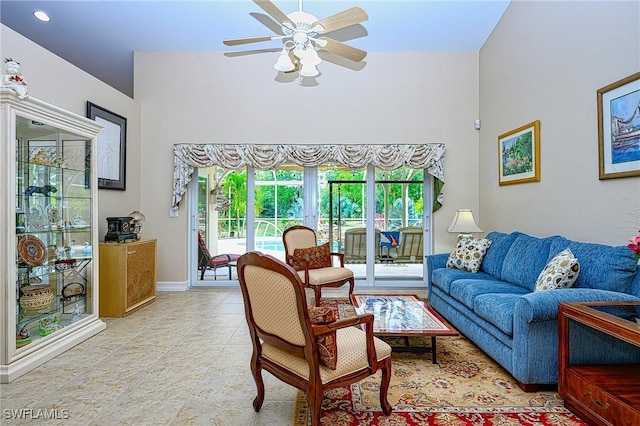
(466, 387)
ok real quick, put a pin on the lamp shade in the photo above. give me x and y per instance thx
(463, 222)
(309, 70)
(284, 62)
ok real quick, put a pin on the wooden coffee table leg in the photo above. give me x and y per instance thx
(433, 349)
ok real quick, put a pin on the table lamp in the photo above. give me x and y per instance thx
(464, 224)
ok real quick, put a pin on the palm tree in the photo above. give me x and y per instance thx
(235, 184)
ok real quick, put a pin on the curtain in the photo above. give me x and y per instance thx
(267, 157)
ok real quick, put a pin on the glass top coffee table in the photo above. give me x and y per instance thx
(403, 315)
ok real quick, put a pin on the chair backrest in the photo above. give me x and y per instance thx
(355, 245)
(204, 257)
(275, 305)
(298, 236)
(410, 249)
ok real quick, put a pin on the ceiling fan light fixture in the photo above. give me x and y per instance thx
(311, 57)
(309, 70)
(284, 62)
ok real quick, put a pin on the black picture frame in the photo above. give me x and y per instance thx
(111, 153)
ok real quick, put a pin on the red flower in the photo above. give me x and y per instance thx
(635, 246)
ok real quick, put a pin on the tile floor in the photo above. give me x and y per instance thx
(182, 360)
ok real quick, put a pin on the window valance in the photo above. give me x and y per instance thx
(266, 157)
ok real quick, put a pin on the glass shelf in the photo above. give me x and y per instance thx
(53, 204)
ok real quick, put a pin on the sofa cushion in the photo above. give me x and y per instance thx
(497, 309)
(465, 291)
(494, 258)
(443, 277)
(468, 254)
(601, 266)
(525, 259)
(561, 272)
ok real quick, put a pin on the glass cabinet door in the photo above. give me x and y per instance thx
(53, 209)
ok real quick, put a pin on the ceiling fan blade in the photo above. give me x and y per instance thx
(341, 49)
(237, 41)
(342, 19)
(273, 11)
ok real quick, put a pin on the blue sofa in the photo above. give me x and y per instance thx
(498, 309)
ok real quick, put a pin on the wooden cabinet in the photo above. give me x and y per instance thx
(601, 394)
(48, 220)
(127, 277)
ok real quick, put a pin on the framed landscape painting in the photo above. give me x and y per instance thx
(519, 155)
(619, 128)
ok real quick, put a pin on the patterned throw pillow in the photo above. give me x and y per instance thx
(561, 272)
(315, 257)
(327, 348)
(468, 254)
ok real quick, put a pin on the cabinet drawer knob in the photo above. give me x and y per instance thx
(132, 252)
(598, 403)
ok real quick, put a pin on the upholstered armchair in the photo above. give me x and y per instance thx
(314, 263)
(288, 345)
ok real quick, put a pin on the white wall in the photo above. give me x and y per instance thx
(60, 83)
(403, 97)
(545, 61)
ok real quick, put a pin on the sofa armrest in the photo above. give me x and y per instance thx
(543, 305)
(435, 261)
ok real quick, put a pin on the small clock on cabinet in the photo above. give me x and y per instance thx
(119, 229)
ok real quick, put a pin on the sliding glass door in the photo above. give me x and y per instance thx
(399, 217)
(375, 218)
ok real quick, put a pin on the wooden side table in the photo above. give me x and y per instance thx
(600, 394)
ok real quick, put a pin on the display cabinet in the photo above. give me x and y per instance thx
(49, 277)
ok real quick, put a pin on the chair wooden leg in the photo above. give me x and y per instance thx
(314, 399)
(352, 283)
(202, 275)
(317, 292)
(384, 386)
(257, 376)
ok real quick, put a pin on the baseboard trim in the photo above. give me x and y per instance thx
(173, 285)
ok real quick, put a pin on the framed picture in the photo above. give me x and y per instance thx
(112, 147)
(619, 128)
(519, 155)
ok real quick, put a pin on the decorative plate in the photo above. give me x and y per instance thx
(72, 289)
(31, 250)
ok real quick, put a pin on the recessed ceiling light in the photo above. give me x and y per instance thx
(41, 15)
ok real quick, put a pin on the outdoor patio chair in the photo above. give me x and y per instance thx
(410, 248)
(206, 261)
(355, 245)
(287, 340)
(315, 263)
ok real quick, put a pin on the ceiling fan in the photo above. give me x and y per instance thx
(302, 35)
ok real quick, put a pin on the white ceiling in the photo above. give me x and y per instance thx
(101, 36)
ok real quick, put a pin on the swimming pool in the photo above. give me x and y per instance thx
(274, 245)
(270, 245)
